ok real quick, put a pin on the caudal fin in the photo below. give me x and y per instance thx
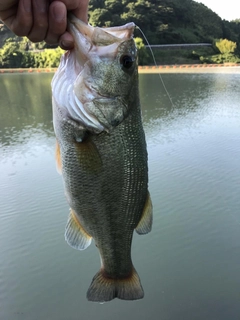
(104, 289)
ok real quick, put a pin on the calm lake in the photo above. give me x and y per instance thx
(189, 264)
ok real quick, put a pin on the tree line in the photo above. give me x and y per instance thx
(162, 21)
(16, 53)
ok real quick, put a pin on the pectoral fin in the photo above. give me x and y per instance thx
(75, 235)
(145, 224)
(88, 156)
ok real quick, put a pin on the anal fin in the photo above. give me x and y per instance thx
(145, 224)
(75, 235)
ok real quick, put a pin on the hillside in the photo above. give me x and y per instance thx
(165, 21)
(162, 21)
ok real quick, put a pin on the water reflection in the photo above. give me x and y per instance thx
(189, 264)
(25, 107)
(196, 98)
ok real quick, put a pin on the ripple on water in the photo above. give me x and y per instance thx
(188, 263)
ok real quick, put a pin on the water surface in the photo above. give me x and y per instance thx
(188, 264)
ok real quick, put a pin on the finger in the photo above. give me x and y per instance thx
(66, 41)
(6, 5)
(40, 20)
(70, 4)
(78, 7)
(81, 11)
(8, 16)
(19, 19)
(57, 22)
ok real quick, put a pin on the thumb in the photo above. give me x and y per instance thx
(80, 9)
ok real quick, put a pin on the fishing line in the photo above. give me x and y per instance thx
(170, 99)
(159, 74)
(154, 60)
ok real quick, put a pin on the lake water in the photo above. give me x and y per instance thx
(189, 263)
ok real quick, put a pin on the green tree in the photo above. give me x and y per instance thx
(48, 58)
(11, 55)
(143, 56)
(162, 21)
(226, 46)
(101, 17)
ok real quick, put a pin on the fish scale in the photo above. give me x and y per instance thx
(102, 154)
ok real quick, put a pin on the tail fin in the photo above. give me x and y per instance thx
(104, 289)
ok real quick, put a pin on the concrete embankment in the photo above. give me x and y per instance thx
(192, 68)
(25, 70)
(186, 68)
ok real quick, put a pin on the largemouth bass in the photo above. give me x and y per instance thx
(101, 153)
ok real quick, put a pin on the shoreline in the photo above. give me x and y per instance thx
(185, 68)
(191, 68)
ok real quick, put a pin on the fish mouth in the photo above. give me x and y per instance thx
(100, 36)
(78, 84)
(94, 40)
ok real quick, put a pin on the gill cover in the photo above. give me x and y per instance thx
(91, 86)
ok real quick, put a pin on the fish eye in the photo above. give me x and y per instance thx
(126, 61)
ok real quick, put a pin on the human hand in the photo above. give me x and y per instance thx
(42, 19)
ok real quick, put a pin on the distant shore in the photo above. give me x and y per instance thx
(26, 70)
(192, 68)
(186, 68)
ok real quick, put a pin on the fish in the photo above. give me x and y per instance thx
(101, 153)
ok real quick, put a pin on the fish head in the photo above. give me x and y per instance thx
(100, 75)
